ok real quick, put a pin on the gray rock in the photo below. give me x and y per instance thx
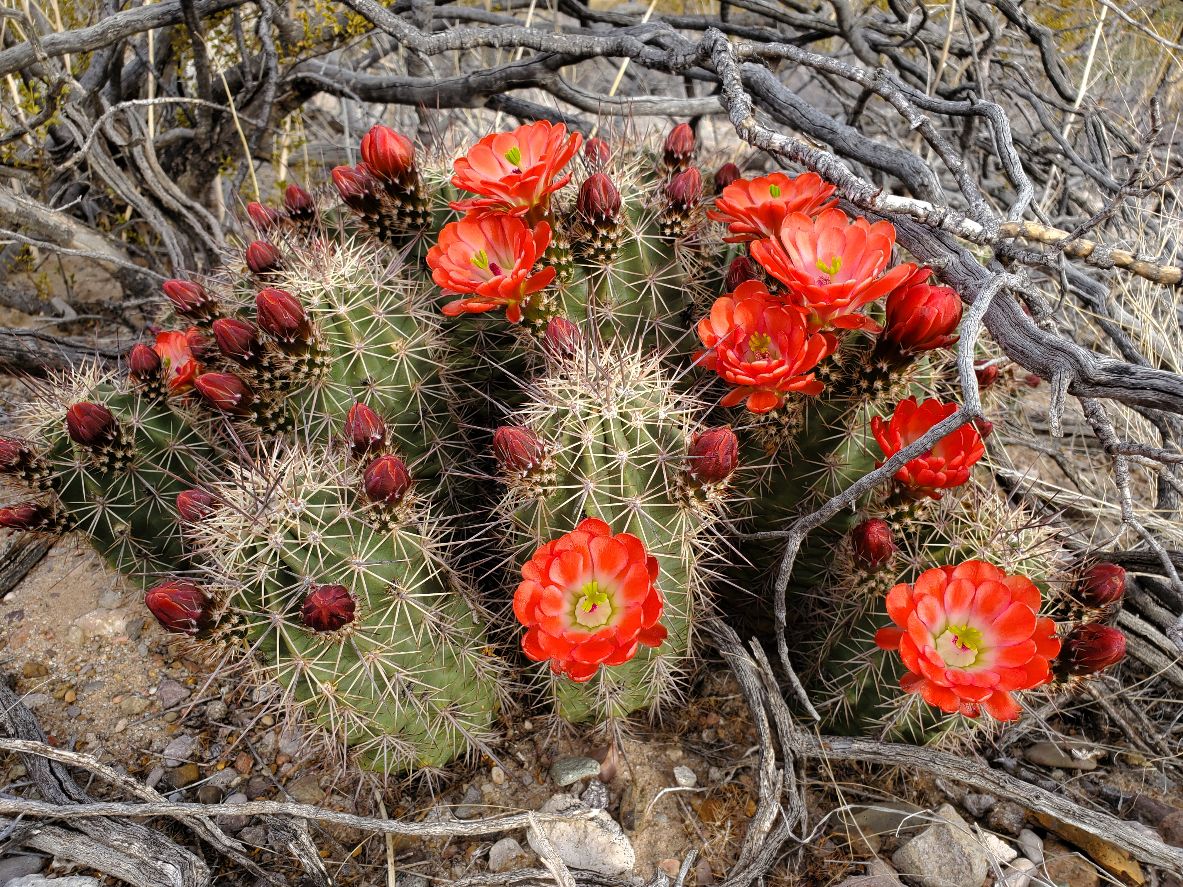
(685, 777)
(110, 600)
(209, 794)
(596, 843)
(595, 795)
(235, 822)
(1031, 845)
(14, 867)
(179, 750)
(998, 849)
(1018, 874)
(171, 693)
(217, 710)
(101, 623)
(255, 836)
(1007, 817)
(566, 771)
(886, 818)
(1048, 754)
(34, 701)
(879, 874)
(505, 855)
(306, 790)
(977, 805)
(42, 881)
(946, 854)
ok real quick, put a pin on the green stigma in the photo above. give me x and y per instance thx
(514, 155)
(481, 259)
(834, 266)
(594, 608)
(774, 190)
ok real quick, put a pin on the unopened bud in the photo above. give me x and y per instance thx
(143, 362)
(262, 257)
(679, 146)
(599, 200)
(179, 607)
(388, 154)
(386, 480)
(90, 424)
(986, 373)
(725, 175)
(741, 270)
(281, 314)
(356, 187)
(985, 427)
(194, 505)
(1102, 585)
(1031, 380)
(298, 202)
(190, 299)
(873, 543)
(14, 455)
(1088, 649)
(225, 392)
(516, 449)
(26, 516)
(328, 608)
(684, 189)
(364, 429)
(714, 455)
(264, 218)
(596, 151)
(562, 339)
(237, 339)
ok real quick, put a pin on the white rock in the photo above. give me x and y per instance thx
(1000, 851)
(1031, 845)
(102, 623)
(685, 777)
(1019, 874)
(596, 843)
(504, 855)
(946, 854)
(179, 750)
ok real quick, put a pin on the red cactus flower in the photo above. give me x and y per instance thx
(562, 339)
(599, 200)
(489, 257)
(947, 464)
(90, 424)
(754, 209)
(225, 392)
(921, 317)
(1088, 649)
(237, 339)
(969, 636)
(713, 455)
(761, 347)
(262, 217)
(725, 175)
(281, 314)
(741, 268)
(143, 362)
(194, 505)
(262, 257)
(596, 152)
(517, 449)
(833, 266)
(328, 608)
(298, 202)
(176, 355)
(987, 374)
(179, 607)
(189, 298)
(514, 172)
(386, 480)
(678, 147)
(26, 516)
(1102, 585)
(388, 154)
(873, 543)
(588, 599)
(364, 429)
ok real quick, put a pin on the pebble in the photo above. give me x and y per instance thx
(977, 805)
(121, 725)
(306, 789)
(595, 795)
(685, 777)
(505, 855)
(217, 710)
(879, 874)
(110, 600)
(413, 881)
(34, 670)
(566, 771)
(257, 787)
(14, 867)
(179, 750)
(596, 844)
(134, 705)
(235, 822)
(244, 763)
(998, 849)
(34, 701)
(1007, 817)
(101, 624)
(255, 836)
(209, 794)
(1048, 754)
(1171, 828)
(171, 693)
(471, 805)
(1019, 874)
(154, 777)
(1031, 845)
(671, 867)
(186, 774)
(946, 854)
(41, 881)
(497, 775)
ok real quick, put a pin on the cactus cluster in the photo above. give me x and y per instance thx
(540, 392)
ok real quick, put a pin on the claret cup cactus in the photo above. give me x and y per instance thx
(653, 359)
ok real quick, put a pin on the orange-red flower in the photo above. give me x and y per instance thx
(513, 172)
(180, 366)
(489, 256)
(754, 209)
(919, 316)
(832, 265)
(588, 599)
(969, 635)
(947, 464)
(762, 347)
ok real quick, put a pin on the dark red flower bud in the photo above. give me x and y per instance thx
(298, 202)
(562, 339)
(262, 257)
(739, 271)
(921, 317)
(237, 339)
(328, 607)
(986, 372)
(225, 392)
(596, 151)
(262, 217)
(1103, 584)
(14, 455)
(599, 200)
(194, 505)
(388, 154)
(679, 146)
(282, 315)
(90, 424)
(179, 606)
(189, 298)
(26, 516)
(713, 455)
(685, 188)
(364, 429)
(873, 543)
(199, 343)
(516, 449)
(387, 480)
(143, 362)
(356, 186)
(1088, 649)
(1031, 380)
(725, 175)
(985, 427)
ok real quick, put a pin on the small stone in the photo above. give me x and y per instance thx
(170, 717)
(999, 850)
(244, 763)
(567, 771)
(70, 697)
(154, 777)
(505, 855)
(977, 805)
(14, 867)
(34, 670)
(1048, 754)
(101, 623)
(471, 805)
(179, 750)
(886, 818)
(413, 881)
(217, 710)
(34, 701)
(171, 693)
(595, 795)
(121, 725)
(703, 876)
(254, 836)
(1171, 828)
(1066, 867)
(596, 843)
(1007, 817)
(257, 787)
(134, 705)
(685, 777)
(1019, 874)
(306, 789)
(235, 822)
(879, 874)
(186, 774)
(670, 866)
(1031, 845)
(946, 854)
(110, 600)
(497, 775)
(209, 794)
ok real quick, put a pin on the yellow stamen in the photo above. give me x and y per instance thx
(481, 260)
(832, 268)
(760, 344)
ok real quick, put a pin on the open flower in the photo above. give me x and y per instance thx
(762, 347)
(832, 266)
(489, 257)
(588, 599)
(947, 464)
(969, 635)
(176, 355)
(754, 209)
(514, 172)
